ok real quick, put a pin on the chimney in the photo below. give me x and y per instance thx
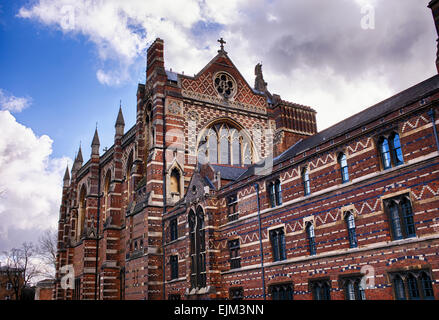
(434, 6)
(294, 122)
(155, 59)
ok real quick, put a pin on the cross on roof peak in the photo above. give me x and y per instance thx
(222, 42)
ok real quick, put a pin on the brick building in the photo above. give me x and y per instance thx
(11, 283)
(44, 289)
(225, 191)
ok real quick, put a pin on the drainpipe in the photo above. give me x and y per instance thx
(260, 243)
(98, 281)
(164, 201)
(433, 121)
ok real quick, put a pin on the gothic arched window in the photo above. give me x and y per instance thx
(342, 160)
(352, 235)
(128, 168)
(81, 215)
(321, 289)
(396, 150)
(412, 285)
(400, 213)
(354, 289)
(390, 151)
(277, 238)
(385, 153)
(399, 288)
(197, 248)
(223, 143)
(407, 214)
(282, 291)
(427, 288)
(275, 193)
(306, 182)
(106, 193)
(311, 238)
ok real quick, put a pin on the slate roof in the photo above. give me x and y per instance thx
(404, 98)
(228, 172)
(172, 76)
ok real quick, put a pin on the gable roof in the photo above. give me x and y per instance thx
(173, 76)
(228, 172)
(404, 98)
(377, 111)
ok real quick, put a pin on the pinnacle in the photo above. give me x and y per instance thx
(95, 141)
(120, 121)
(67, 175)
(79, 156)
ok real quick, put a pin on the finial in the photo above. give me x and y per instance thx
(222, 42)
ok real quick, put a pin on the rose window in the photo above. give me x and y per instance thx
(225, 85)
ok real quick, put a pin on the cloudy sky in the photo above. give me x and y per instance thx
(66, 64)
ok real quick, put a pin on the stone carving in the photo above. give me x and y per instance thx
(193, 115)
(174, 108)
(260, 84)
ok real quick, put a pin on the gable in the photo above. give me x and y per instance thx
(202, 86)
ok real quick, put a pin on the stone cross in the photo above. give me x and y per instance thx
(222, 43)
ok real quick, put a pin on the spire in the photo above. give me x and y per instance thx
(66, 177)
(120, 121)
(79, 155)
(95, 143)
(78, 161)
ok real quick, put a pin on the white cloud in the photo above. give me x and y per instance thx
(30, 183)
(319, 57)
(11, 103)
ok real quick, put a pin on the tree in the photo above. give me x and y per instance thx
(19, 269)
(47, 245)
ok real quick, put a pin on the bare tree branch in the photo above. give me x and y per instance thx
(18, 268)
(47, 245)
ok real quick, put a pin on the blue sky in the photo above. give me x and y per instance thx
(58, 80)
(58, 73)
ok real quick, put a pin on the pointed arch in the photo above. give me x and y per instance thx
(107, 182)
(127, 172)
(80, 222)
(197, 247)
(225, 141)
